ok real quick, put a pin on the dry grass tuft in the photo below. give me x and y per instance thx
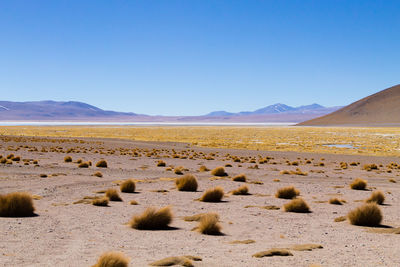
(17, 204)
(392, 180)
(187, 183)
(213, 195)
(112, 194)
(306, 247)
(366, 215)
(197, 217)
(296, 205)
(112, 259)
(219, 171)
(208, 225)
(377, 197)
(335, 201)
(358, 184)
(152, 219)
(68, 159)
(243, 190)
(247, 241)
(239, 178)
(181, 260)
(98, 174)
(128, 186)
(161, 163)
(83, 165)
(100, 201)
(203, 169)
(273, 252)
(101, 164)
(287, 192)
(134, 202)
(178, 170)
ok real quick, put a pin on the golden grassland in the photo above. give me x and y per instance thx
(367, 141)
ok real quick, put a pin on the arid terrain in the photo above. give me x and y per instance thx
(69, 231)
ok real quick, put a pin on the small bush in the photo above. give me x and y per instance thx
(112, 259)
(112, 194)
(209, 225)
(377, 196)
(100, 201)
(358, 184)
(335, 201)
(68, 159)
(296, 205)
(197, 217)
(219, 171)
(366, 215)
(287, 192)
(239, 178)
(152, 219)
(370, 167)
(101, 164)
(186, 183)
(243, 190)
(83, 165)
(43, 175)
(213, 195)
(16, 205)
(128, 186)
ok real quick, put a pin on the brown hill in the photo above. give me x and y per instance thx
(380, 109)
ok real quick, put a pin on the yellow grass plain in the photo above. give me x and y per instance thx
(365, 141)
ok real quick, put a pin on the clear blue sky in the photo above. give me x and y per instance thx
(192, 57)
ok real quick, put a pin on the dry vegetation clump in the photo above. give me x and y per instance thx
(187, 183)
(239, 178)
(68, 159)
(112, 194)
(101, 164)
(392, 180)
(17, 204)
(273, 252)
(100, 201)
(134, 202)
(366, 215)
(219, 171)
(370, 167)
(152, 219)
(377, 197)
(98, 174)
(128, 186)
(203, 169)
(243, 190)
(161, 163)
(284, 172)
(43, 175)
(83, 165)
(213, 195)
(287, 192)
(180, 260)
(335, 201)
(178, 170)
(208, 225)
(358, 184)
(112, 259)
(299, 172)
(296, 205)
(197, 217)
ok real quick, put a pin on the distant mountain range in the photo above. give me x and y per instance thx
(279, 109)
(78, 111)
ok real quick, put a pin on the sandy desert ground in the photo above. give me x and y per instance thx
(69, 231)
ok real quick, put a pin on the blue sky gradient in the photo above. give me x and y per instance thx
(193, 57)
